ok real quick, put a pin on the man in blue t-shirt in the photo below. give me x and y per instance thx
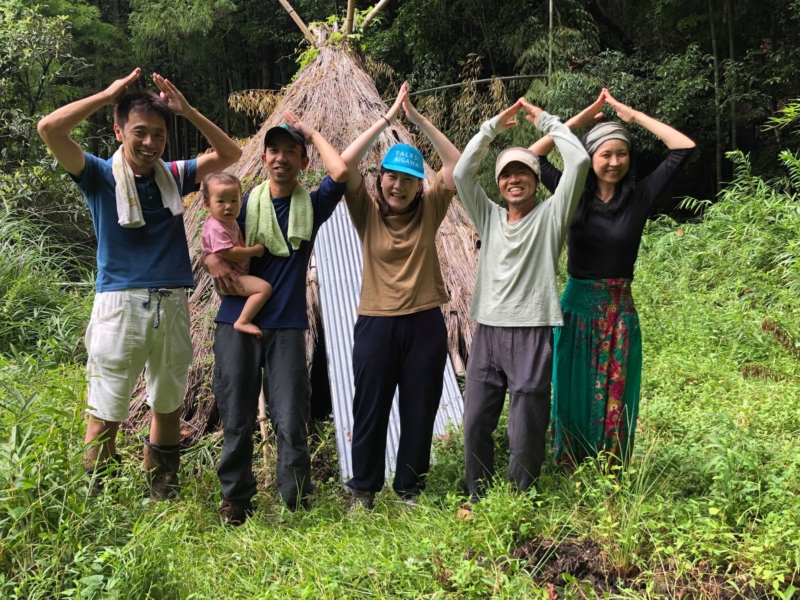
(140, 316)
(281, 351)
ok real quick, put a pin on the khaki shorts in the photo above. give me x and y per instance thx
(122, 339)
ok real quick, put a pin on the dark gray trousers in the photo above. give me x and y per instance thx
(518, 360)
(239, 361)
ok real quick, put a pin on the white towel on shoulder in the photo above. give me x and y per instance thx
(129, 210)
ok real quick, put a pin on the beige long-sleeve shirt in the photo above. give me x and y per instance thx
(516, 280)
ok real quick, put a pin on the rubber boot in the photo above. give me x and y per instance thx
(161, 464)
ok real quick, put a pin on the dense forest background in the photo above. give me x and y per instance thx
(710, 507)
(716, 69)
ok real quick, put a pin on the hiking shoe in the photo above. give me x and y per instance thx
(235, 512)
(361, 498)
(304, 504)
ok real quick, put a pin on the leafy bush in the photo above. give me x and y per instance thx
(41, 310)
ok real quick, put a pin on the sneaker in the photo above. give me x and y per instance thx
(304, 504)
(410, 501)
(235, 512)
(361, 498)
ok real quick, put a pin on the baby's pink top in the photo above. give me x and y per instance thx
(218, 235)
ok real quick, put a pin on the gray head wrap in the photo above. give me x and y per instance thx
(602, 132)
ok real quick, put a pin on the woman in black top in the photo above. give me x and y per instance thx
(597, 363)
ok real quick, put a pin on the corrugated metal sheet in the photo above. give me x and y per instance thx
(339, 262)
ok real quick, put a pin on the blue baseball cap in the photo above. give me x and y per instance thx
(404, 158)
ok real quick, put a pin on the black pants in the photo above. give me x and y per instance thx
(409, 352)
(239, 360)
(519, 360)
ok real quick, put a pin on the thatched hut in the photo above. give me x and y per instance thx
(334, 95)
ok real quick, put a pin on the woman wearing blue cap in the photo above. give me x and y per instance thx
(400, 339)
(597, 366)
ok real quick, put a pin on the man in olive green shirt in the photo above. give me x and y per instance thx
(515, 300)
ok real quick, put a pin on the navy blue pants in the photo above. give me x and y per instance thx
(243, 364)
(408, 352)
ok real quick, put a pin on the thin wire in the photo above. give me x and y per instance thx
(455, 85)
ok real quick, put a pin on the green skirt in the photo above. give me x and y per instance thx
(597, 371)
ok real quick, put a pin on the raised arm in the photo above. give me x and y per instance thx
(225, 153)
(576, 164)
(240, 252)
(56, 127)
(334, 165)
(587, 117)
(473, 197)
(444, 147)
(355, 152)
(672, 138)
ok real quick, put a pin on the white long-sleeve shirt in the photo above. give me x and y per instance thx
(516, 281)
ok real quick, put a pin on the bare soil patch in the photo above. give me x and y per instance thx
(583, 566)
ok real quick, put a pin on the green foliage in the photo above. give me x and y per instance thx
(760, 221)
(309, 55)
(674, 89)
(33, 187)
(575, 39)
(154, 21)
(35, 54)
(36, 59)
(39, 312)
(711, 491)
(787, 116)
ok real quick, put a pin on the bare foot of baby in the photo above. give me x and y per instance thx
(247, 327)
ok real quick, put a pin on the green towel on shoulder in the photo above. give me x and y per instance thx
(261, 223)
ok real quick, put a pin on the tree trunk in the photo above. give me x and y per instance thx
(729, 10)
(174, 150)
(186, 154)
(717, 109)
(96, 120)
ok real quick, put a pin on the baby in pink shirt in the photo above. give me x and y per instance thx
(222, 236)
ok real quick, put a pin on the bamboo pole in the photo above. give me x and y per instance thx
(717, 108)
(374, 13)
(348, 24)
(296, 18)
(729, 8)
(262, 423)
(550, 57)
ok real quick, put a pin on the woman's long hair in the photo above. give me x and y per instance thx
(383, 205)
(622, 194)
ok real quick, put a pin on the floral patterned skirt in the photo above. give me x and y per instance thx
(597, 372)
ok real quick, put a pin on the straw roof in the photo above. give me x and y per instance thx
(334, 95)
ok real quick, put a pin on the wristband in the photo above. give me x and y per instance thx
(388, 124)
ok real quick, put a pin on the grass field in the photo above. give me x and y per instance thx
(710, 507)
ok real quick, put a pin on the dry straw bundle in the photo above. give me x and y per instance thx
(334, 95)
